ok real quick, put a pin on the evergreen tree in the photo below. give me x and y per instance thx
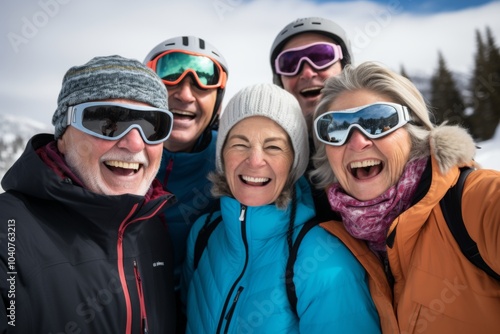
(403, 73)
(446, 101)
(493, 80)
(482, 121)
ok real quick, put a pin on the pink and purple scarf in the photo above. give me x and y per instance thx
(370, 220)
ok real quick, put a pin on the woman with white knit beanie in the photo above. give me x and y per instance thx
(235, 277)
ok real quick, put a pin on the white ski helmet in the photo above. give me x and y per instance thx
(311, 24)
(196, 45)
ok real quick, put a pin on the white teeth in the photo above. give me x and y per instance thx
(123, 164)
(255, 179)
(181, 112)
(311, 89)
(366, 163)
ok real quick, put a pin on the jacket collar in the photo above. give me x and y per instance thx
(267, 221)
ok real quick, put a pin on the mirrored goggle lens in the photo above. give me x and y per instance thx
(114, 121)
(319, 55)
(374, 121)
(172, 67)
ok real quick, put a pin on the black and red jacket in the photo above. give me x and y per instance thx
(81, 262)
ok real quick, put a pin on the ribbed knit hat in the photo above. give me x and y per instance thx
(103, 78)
(275, 103)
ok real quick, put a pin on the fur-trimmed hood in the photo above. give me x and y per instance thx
(452, 145)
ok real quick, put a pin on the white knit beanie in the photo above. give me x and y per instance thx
(275, 103)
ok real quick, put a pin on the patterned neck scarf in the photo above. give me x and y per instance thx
(370, 220)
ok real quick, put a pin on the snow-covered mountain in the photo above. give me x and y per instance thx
(14, 134)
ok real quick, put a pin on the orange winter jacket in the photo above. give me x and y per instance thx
(437, 289)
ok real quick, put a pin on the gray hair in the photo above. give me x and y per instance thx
(270, 101)
(376, 78)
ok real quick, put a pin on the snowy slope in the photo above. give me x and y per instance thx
(489, 153)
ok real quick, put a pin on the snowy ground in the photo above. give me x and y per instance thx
(489, 154)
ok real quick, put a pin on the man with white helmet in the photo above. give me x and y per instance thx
(304, 54)
(195, 74)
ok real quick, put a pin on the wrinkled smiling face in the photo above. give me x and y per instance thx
(111, 167)
(257, 158)
(364, 167)
(307, 84)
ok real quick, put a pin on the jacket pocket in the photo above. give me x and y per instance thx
(431, 303)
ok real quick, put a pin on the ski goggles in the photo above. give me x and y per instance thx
(173, 65)
(374, 121)
(112, 121)
(319, 55)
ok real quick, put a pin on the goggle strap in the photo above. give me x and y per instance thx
(71, 118)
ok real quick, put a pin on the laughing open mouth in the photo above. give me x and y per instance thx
(366, 169)
(179, 114)
(311, 91)
(255, 181)
(123, 167)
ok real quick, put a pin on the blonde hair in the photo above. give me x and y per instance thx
(374, 77)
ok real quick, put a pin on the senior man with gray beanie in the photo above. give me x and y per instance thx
(250, 268)
(82, 249)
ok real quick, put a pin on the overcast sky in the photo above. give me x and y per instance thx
(42, 39)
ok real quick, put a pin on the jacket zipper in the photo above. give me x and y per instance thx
(227, 315)
(138, 282)
(388, 272)
(121, 270)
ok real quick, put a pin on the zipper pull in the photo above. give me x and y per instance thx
(144, 323)
(233, 306)
(136, 272)
(242, 214)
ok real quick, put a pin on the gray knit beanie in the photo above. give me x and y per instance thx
(275, 103)
(103, 78)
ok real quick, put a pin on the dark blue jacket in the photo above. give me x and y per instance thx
(184, 174)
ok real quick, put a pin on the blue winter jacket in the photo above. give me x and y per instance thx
(185, 175)
(239, 285)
